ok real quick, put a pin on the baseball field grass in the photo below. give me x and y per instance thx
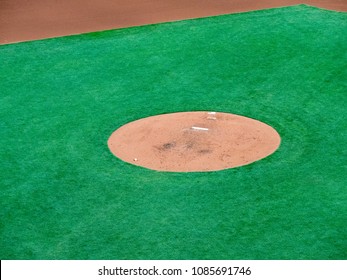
(65, 196)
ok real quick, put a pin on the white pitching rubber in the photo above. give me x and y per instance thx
(199, 128)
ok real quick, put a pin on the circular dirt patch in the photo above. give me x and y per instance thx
(193, 141)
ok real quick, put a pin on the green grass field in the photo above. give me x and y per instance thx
(65, 196)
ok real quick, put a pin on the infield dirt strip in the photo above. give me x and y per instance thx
(22, 20)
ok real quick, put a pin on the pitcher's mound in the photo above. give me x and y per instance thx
(193, 141)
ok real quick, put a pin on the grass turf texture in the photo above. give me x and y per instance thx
(65, 196)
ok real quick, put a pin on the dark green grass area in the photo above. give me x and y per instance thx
(65, 196)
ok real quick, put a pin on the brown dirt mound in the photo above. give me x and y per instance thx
(193, 141)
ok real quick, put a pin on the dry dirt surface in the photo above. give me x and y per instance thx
(193, 141)
(24, 20)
